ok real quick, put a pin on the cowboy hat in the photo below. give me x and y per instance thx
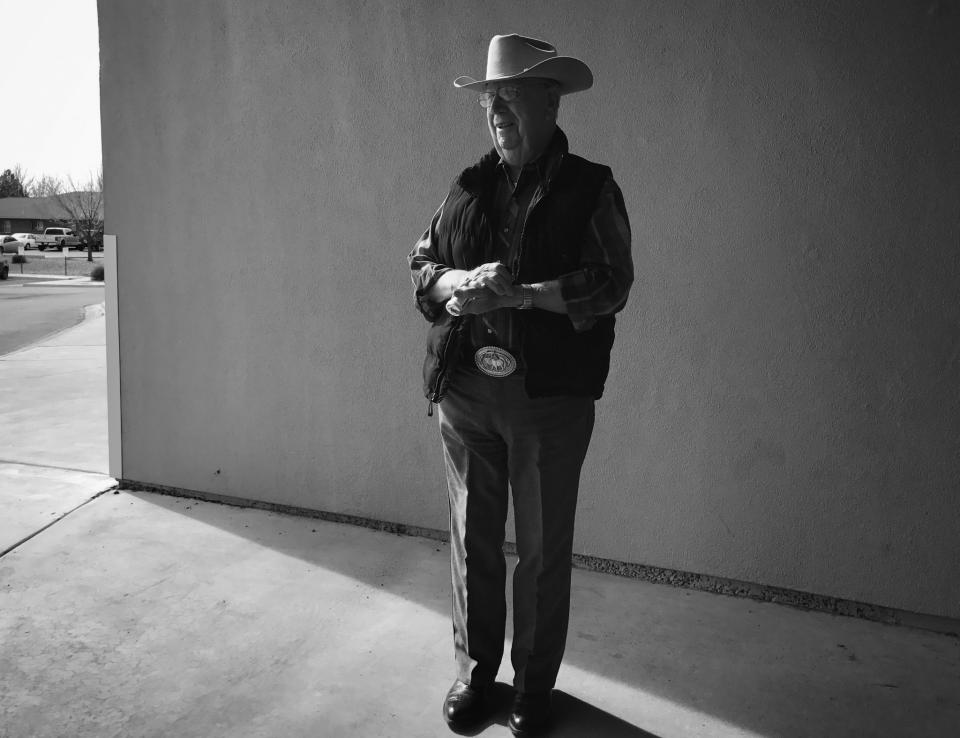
(519, 57)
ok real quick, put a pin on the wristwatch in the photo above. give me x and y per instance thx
(526, 292)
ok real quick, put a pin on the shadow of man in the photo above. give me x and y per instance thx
(572, 718)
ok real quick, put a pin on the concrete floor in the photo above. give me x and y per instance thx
(144, 615)
(132, 614)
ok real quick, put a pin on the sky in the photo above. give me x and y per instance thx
(50, 80)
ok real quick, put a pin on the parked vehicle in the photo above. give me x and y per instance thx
(58, 238)
(9, 245)
(29, 239)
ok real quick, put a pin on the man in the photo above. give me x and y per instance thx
(519, 273)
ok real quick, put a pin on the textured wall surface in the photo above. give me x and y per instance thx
(784, 402)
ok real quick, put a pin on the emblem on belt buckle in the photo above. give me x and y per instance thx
(494, 361)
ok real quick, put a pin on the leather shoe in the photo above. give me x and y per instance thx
(465, 705)
(530, 713)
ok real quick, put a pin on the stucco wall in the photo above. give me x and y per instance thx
(784, 403)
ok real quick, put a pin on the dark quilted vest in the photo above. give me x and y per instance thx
(559, 360)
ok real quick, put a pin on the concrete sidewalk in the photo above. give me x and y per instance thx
(137, 614)
(54, 418)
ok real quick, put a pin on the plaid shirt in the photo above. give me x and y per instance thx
(599, 287)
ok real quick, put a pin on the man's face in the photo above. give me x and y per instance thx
(522, 128)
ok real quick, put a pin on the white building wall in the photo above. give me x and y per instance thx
(784, 403)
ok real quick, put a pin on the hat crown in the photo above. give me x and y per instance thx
(513, 54)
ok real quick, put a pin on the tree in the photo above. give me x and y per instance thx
(46, 186)
(84, 206)
(12, 182)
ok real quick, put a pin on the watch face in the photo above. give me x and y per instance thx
(495, 362)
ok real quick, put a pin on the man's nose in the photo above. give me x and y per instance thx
(498, 103)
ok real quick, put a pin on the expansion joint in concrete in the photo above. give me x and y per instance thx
(56, 520)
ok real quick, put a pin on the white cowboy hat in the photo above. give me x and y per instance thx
(518, 57)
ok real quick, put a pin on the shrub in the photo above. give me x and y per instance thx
(18, 259)
(97, 274)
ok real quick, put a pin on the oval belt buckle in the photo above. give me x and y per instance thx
(495, 362)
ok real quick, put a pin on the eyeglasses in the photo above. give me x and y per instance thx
(507, 93)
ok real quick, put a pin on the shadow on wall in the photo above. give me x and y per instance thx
(717, 656)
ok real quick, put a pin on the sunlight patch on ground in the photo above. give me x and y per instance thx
(657, 715)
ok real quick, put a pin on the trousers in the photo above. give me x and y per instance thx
(498, 441)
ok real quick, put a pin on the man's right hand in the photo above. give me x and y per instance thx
(493, 276)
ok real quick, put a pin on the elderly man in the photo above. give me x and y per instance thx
(520, 274)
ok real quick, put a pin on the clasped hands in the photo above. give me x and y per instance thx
(488, 287)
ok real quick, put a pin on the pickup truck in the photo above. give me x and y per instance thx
(58, 238)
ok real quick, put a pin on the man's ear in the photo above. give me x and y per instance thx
(553, 101)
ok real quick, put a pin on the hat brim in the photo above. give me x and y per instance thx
(570, 73)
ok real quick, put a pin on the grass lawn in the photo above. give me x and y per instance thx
(77, 264)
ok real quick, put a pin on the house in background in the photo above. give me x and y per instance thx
(32, 214)
(29, 214)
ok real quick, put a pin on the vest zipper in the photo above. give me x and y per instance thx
(442, 369)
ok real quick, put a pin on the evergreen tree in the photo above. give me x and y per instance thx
(11, 185)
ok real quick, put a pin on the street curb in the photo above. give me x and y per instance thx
(69, 282)
(55, 280)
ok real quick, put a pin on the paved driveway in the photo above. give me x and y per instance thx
(28, 314)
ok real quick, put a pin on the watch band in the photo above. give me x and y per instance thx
(526, 291)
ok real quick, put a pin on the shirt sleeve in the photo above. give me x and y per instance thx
(602, 284)
(426, 269)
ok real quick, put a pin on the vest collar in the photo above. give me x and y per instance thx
(479, 178)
